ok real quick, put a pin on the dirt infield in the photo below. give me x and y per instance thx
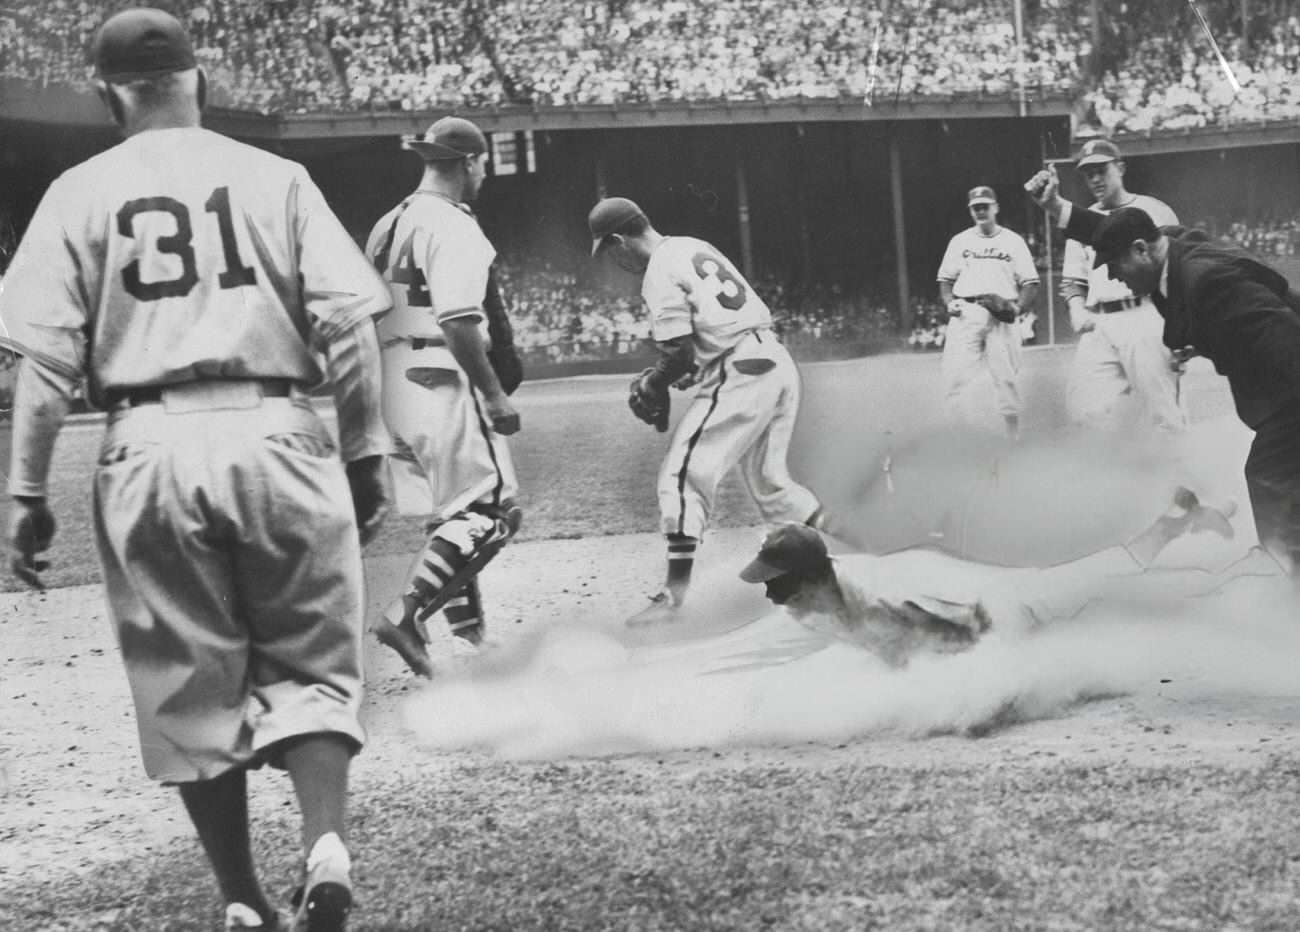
(75, 797)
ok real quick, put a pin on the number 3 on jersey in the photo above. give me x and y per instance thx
(731, 292)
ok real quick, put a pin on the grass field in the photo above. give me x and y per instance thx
(1173, 810)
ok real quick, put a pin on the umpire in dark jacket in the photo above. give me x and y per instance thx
(1226, 305)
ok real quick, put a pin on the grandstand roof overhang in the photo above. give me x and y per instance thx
(49, 105)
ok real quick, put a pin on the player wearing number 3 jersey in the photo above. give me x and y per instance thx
(714, 333)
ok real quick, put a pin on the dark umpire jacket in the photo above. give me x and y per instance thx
(1232, 309)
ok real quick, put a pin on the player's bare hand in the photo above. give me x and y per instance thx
(1178, 359)
(372, 496)
(31, 529)
(1045, 188)
(1082, 321)
(502, 414)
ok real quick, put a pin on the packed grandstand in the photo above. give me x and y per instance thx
(1152, 69)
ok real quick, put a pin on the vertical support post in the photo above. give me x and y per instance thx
(742, 210)
(900, 234)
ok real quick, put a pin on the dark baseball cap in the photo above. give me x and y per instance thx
(1118, 231)
(790, 548)
(981, 195)
(141, 43)
(1097, 152)
(448, 138)
(607, 217)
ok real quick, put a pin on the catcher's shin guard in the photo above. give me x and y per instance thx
(464, 613)
(457, 550)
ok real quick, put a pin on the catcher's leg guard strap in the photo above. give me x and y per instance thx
(459, 548)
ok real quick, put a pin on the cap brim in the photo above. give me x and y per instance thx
(432, 151)
(1094, 160)
(982, 200)
(758, 571)
(599, 245)
(1105, 258)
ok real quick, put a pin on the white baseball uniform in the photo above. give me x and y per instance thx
(1124, 354)
(923, 599)
(976, 343)
(190, 278)
(747, 397)
(437, 262)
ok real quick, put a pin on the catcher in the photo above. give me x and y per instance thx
(714, 335)
(921, 600)
(987, 281)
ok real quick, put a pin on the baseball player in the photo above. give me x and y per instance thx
(713, 333)
(987, 280)
(190, 281)
(446, 389)
(1121, 351)
(920, 599)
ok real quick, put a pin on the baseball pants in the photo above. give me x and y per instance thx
(233, 571)
(743, 414)
(1273, 481)
(978, 347)
(448, 455)
(1124, 355)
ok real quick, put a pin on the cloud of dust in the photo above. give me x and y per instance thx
(747, 674)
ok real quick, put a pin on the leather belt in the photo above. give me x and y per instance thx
(153, 394)
(426, 342)
(1123, 304)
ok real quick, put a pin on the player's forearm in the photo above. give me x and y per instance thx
(41, 402)
(676, 359)
(1028, 294)
(465, 341)
(1072, 288)
(945, 292)
(356, 377)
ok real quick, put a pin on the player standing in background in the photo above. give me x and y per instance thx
(182, 275)
(987, 279)
(715, 333)
(1121, 351)
(446, 389)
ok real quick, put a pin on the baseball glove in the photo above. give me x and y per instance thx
(1002, 308)
(649, 400)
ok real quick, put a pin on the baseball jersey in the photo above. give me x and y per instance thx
(691, 289)
(976, 264)
(1076, 265)
(180, 255)
(899, 589)
(436, 260)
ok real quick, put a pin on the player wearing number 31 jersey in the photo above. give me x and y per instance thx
(192, 282)
(714, 333)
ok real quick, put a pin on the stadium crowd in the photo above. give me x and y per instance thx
(297, 55)
(1156, 70)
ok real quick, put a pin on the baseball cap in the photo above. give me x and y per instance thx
(1118, 231)
(141, 43)
(1097, 152)
(448, 138)
(981, 195)
(790, 548)
(606, 218)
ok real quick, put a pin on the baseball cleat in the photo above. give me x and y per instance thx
(405, 638)
(505, 524)
(325, 900)
(1207, 516)
(664, 608)
(240, 916)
